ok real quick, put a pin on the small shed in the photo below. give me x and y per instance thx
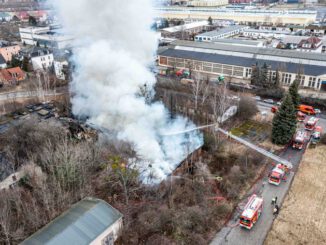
(90, 221)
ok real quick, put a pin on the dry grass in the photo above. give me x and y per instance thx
(302, 219)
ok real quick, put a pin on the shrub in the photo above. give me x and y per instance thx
(323, 139)
(247, 108)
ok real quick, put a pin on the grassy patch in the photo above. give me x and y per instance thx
(252, 130)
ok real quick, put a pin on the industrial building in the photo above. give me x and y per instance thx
(45, 37)
(236, 62)
(186, 31)
(242, 16)
(90, 221)
(221, 33)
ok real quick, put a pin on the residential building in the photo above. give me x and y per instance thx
(3, 63)
(236, 62)
(40, 58)
(12, 76)
(311, 44)
(8, 50)
(241, 16)
(186, 31)
(90, 221)
(221, 33)
(59, 66)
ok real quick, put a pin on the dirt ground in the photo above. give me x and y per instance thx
(302, 217)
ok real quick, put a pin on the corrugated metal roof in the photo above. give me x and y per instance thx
(222, 31)
(81, 224)
(311, 70)
(253, 50)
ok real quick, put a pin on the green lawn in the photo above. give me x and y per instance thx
(252, 130)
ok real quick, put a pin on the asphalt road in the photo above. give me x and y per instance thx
(232, 233)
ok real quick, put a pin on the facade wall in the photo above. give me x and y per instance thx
(238, 72)
(8, 52)
(42, 62)
(113, 231)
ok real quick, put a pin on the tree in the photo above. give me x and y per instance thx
(32, 21)
(25, 65)
(284, 122)
(277, 79)
(255, 75)
(294, 92)
(15, 62)
(210, 20)
(263, 76)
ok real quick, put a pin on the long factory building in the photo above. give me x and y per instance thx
(236, 62)
(242, 16)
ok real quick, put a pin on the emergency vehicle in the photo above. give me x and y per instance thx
(301, 116)
(298, 140)
(315, 138)
(307, 109)
(251, 212)
(277, 174)
(311, 123)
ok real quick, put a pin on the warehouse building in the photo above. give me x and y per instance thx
(90, 221)
(221, 33)
(242, 16)
(236, 62)
(186, 31)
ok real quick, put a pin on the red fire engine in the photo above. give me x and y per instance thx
(277, 174)
(311, 123)
(301, 116)
(298, 140)
(251, 212)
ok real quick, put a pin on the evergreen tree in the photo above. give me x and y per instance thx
(284, 122)
(25, 65)
(294, 93)
(263, 78)
(255, 74)
(15, 62)
(210, 20)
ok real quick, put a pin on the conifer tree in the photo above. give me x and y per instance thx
(294, 92)
(284, 122)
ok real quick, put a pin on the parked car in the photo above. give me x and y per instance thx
(317, 111)
(269, 101)
(258, 98)
(279, 103)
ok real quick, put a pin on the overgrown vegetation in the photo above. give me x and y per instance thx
(247, 108)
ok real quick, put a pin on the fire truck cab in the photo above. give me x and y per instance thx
(311, 123)
(315, 138)
(298, 140)
(277, 174)
(301, 116)
(251, 212)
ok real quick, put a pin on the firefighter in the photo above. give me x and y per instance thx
(276, 210)
(274, 201)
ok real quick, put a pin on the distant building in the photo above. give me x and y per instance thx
(236, 62)
(8, 50)
(221, 33)
(45, 37)
(265, 33)
(3, 63)
(40, 58)
(12, 76)
(59, 66)
(312, 44)
(241, 16)
(208, 3)
(187, 31)
(90, 221)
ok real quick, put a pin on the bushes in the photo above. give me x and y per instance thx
(247, 108)
(323, 139)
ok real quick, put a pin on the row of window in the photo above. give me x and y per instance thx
(286, 78)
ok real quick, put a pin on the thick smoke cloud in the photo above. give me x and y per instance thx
(114, 48)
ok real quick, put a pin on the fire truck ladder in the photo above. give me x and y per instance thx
(256, 148)
(242, 141)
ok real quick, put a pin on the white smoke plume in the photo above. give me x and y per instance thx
(115, 47)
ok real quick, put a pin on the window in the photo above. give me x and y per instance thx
(286, 78)
(312, 82)
(163, 60)
(248, 72)
(318, 84)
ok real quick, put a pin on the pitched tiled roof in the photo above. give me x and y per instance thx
(12, 75)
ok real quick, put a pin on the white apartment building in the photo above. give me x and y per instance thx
(41, 59)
